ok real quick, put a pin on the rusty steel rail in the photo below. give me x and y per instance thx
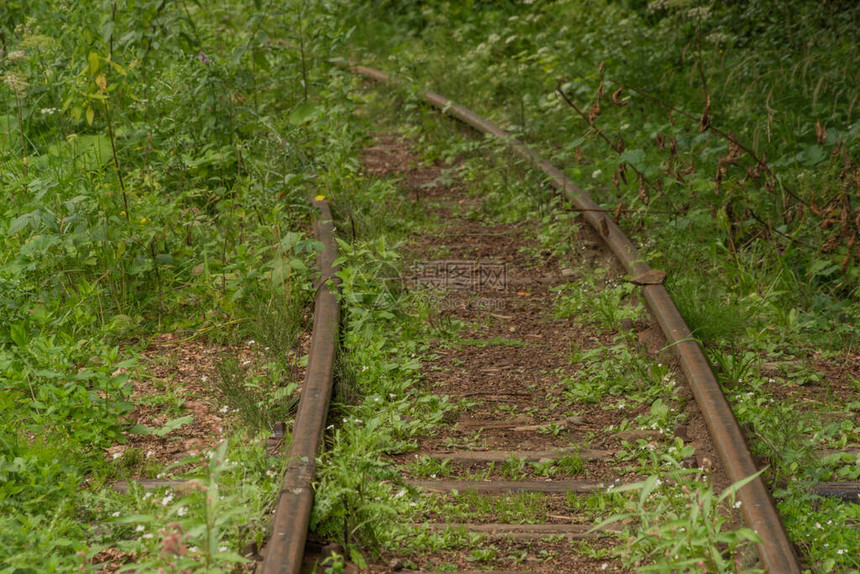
(776, 552)
(286, 547)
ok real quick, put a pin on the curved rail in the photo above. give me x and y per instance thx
(775, 551)
(286, 547)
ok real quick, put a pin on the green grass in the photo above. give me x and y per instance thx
(156, 158)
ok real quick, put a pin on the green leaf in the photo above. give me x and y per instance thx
(22, 222)
(107, 31)
(20, 333)
(635, 157)
(813, 155)
(172, 425)
(733, 488)
(94, 62)
(260, 60)
(357, 558)
(139, 429)
(305, 113)
(648, 488)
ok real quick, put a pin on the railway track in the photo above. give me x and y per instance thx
(286, 546)
(499, 450)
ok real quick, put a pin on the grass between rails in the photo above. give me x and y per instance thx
(370, 508)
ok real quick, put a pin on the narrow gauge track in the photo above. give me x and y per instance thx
(776, 552)
(286, 546)
(285, 550)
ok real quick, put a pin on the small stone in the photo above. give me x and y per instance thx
(395, 565)
(279, 430)
(704, 462)
(689, 462)
(252, 551)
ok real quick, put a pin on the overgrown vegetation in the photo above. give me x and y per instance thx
(722, 136)
(748, 185)
(155, 159)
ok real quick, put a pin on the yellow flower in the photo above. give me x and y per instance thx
(122, 213)
(143, 220)
(319, 197)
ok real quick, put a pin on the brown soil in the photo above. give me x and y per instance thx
(175, 377)
(180, 374)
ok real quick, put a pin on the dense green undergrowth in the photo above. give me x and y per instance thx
(155, 158)
(155, 161)
(761, 205)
